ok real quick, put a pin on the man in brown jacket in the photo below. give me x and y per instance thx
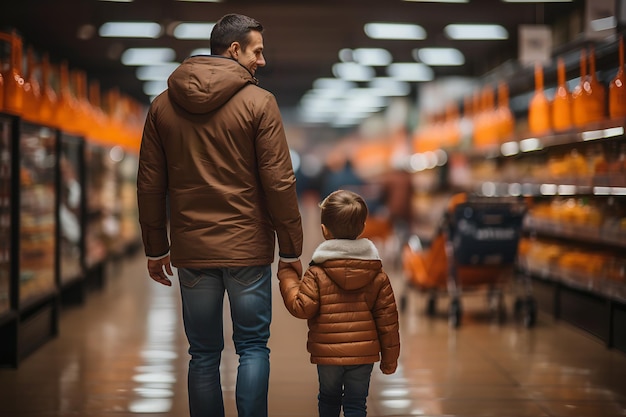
(350, 306)
(214, 148)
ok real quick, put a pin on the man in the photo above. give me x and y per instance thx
(214, 147)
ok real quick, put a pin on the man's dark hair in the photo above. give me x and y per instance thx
(232, 28)
(344, 213)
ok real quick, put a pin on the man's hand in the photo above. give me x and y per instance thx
(296, 266)
(157, 273)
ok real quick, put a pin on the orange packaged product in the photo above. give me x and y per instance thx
(32, 90)
(597, 93)
(539, 108)
(562, 102)
(580, 95)
(48, 97)
(504, 117)
(12, 77)
(617, 89)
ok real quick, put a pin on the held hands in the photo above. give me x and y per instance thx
(157, 272)
(296, 266)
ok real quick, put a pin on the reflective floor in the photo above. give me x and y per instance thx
(123, 353)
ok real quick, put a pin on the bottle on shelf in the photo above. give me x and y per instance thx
(48, 98)
(504, 116)
(580, 95)
(32, 90)
(617, 89)
(539, 107)
(597, 92)
(11, 74)
(562, 102)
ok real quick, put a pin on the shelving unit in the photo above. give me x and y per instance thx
(574, 182)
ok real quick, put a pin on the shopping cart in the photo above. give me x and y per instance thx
(476, 247)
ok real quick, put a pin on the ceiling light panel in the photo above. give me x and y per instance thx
(476, 32)
(439, 56)
(400, 31)
(352, 71)
(201, 51)
(200, 31)
(156, 72)
(148, 56)
(375, 57)
(130, 30)
(410, 71)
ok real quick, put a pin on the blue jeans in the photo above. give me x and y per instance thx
(250, 297)
(346, 386)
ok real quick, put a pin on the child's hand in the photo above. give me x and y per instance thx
(388, 368)
(296, 266)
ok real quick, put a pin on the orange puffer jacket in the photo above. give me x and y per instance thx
(349, 303)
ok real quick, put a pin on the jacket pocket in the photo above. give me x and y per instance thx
(247, 275)
(189, 277)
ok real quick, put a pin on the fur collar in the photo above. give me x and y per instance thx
(345, 249)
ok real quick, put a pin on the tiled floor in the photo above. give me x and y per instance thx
(124, 354)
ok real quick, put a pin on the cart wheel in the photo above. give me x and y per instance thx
(530, 312)
(431, 306)
(496, 306)
(454, 315)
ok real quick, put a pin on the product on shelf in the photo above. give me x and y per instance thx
(562, 102)
(12, 75)
(581, 93)
(504, 116)
(539, 108)
(596, 106)
(617, 89)
(32, 90)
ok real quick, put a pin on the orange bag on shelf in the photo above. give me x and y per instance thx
(32, 90)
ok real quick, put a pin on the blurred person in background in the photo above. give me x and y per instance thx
(214, 143)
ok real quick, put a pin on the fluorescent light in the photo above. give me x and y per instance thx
(193, 30)
(147, 56)
(156, 72)
(375, 57)
(476, 32)
(130, 30)
(352, 71)
(154, 88)
(333, 84)
(394, 31)
(439, 56)
(372, 56)
(410, 71)
(386, 86)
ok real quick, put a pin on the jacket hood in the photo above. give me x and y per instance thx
(351, 264)
(203, 83)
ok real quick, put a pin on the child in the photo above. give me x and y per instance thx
(349, 303)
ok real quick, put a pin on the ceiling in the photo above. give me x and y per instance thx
(302, 38)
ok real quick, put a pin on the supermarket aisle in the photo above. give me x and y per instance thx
(124, 354)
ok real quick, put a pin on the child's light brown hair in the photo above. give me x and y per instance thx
(343, 214)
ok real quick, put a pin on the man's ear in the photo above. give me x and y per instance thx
(234, 49)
